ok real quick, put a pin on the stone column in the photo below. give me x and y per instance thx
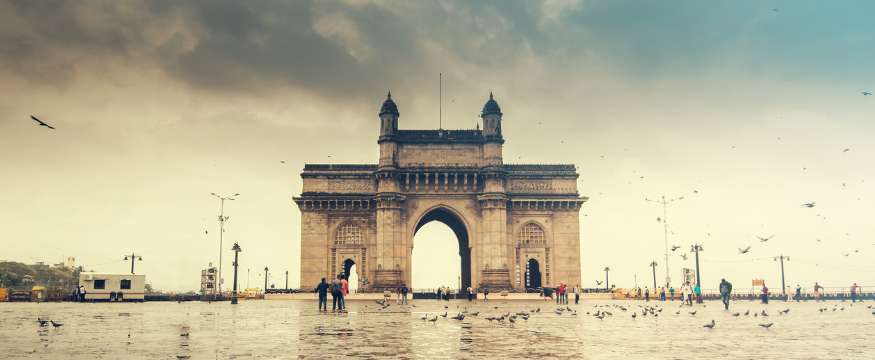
(390, 260)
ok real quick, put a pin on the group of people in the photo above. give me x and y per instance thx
(338, 288)
(401, 294)
(561, 292)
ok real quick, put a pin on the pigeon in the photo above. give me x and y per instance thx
(444, 314)
(866, 93)
(424, 317)
(766, 326)
(744, 251)
(433, 319)
(598, 282)
(736, 314)
(809, 204)
(711, 325)
(460, 316)
(42, 322)
(41, 123)
(694, 312)
(764, 239)
(675, 247)
(746, 313)
(57, 325)
(785, 311)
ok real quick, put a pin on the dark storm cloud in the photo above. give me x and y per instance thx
(329, 49)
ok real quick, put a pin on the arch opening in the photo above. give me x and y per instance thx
(435, 234)
(533, 274)
(351, 274)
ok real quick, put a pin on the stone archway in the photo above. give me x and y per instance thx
(533, 274)
(370, 212)
(454, 221)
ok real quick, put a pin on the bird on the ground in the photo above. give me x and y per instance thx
(764, 239)
(744, 251)
(634, 315)
(424, 317)
(785, 311)
(433, 319)
(767, 325)
(41, 123)
(282, 161)
(711, 325)
(694, 312)
(460, 316)
(42, 322)
(55, 324)
(184, 331)
(809, 204)
(444, 314)
(764, 313)
(736, 314)
(746, 313)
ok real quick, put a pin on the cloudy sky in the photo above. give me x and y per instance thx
(745, 108)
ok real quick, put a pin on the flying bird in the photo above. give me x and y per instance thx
(57, 325)
(764, 239)
(744, 251)
(866, 93)
(675, 247)
(846, 150)
(41, 123)
(809, 204)
(598, 282)
(684, 256)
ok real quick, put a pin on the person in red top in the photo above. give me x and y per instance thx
(562, 298)
(344, 288)
(765, 295)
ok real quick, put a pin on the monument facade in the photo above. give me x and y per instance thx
(517, 226)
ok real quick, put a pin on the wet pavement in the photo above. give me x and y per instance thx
(294, 329)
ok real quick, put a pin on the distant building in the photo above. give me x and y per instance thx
(209, 280)
(70, 262)
(113, 287)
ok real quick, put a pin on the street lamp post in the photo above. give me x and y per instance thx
(783, 285)
(133, 257)
(653, 265)
(697, 248)
(265, 279)
(222, 219)
(236, 249)
(607, 283)
(287, 280)
(664, 202)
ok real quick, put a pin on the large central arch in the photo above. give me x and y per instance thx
(454, 221)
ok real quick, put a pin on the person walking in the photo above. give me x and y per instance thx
(687, 294)
(322, 290)
(725, 292)
(404, 291)
(698, 290)
(818, 295)
(470, 294)
(336, 294)
(671, 293)
(765, 294)
(646, 294)
(576, 290)
(563, 298)
(439, 294)
(661, 293)
(798, 292)
(854, 290)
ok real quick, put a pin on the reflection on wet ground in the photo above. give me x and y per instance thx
(294, 329)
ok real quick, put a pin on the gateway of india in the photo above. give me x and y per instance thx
(517, 226)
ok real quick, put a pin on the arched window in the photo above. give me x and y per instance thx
(532, 235)
(348, 234)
